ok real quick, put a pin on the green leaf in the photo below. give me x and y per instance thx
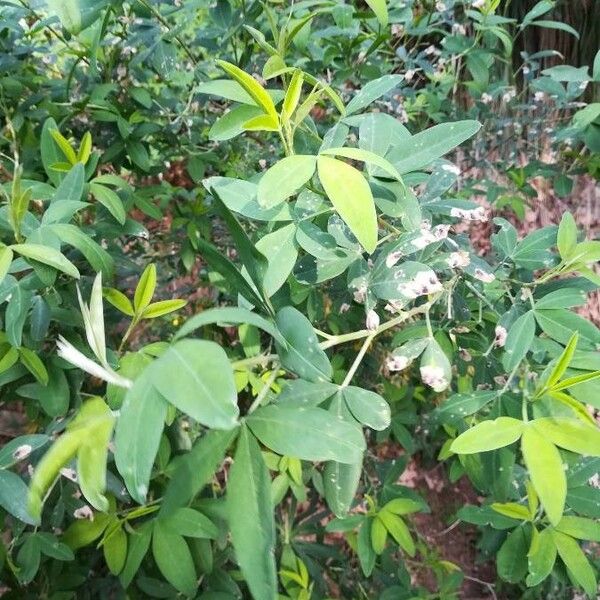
(110, 200)
(174, 559)
(546, 471)
(298, 392)
(20, 448)
(231, 315)
(567, 235)
(512, 510)
(93, 252)
(250, 517)
(204, 387)
(579, 569)
(351, 196)
(190, 523)
(340, 482)
(366, 554)
(252, 87)
(571, 434)
(193, 470)
(372, 91)
(519, 340)
(232, 123)
(285, 178)
(541, 557)
(49, 151)
(83, 532)
(488, 435)
(302, 354)
(255, 262)
(115, 550)
(566, 298)
(13, 497)
(367, 407)
(227, 269)
(511, 560)
(458, 406)
(138, 432)
(402, 506)
(164, 307)
(307, 433)
(559, 324)
(137, 547)
(281, 251)
(379, 7)
(424, 147)
(34, 365)
(47, 255)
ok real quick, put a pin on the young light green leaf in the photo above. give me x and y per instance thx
(351, 196)
(261, 123)
(85, 148)
(567, 236)
(546, 471)
(571, 434)
(145, 288)
(250, 516)
(6, 256)
(285, 178)
(119, 300)
(292, 95)
(563, 361)
(488, 435)
(161, 308)
(252, 87)
(580, 528)
(64, 146)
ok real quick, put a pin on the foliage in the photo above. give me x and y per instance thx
(238, 449)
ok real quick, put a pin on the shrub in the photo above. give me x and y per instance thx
(240, 450)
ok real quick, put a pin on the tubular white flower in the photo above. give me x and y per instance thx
(67, 351)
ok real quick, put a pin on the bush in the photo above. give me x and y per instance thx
(332, 320)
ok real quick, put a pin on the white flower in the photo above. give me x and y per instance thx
(451, 169)
(397, 29)
(459, 28)
(372, 321)
(474, 214)
(526, 70)
(458, 259)
(478, 3)
(85, 512)
(484, 276)
(440, 6)
(22, 452)
(425, 282)
(397, 363)
(434, 377)
(69, 353)
(500, 338)
(409, 75)
(431, 50)
(360, 294)
(486, 98)
(344, 308)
